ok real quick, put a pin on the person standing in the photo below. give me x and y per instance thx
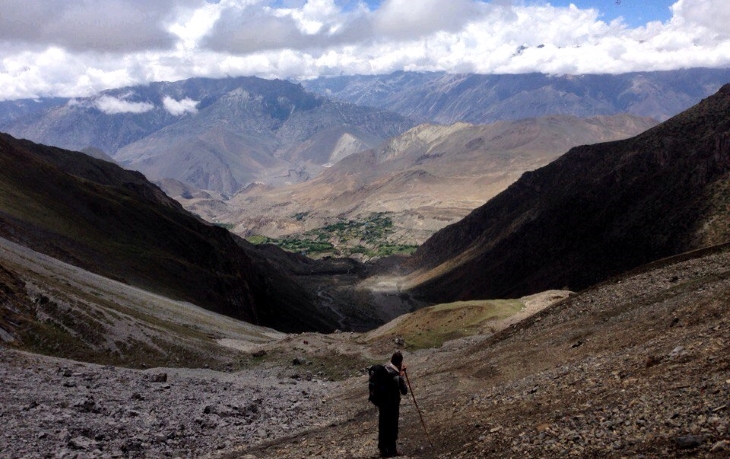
(389, 408)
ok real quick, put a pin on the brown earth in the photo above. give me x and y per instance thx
(638, 366)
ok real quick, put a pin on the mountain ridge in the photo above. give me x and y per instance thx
(450, 97)
(647, 197)
(102, 218)
(425, 178)
(214, 134)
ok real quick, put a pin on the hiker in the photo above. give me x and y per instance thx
(389, 407)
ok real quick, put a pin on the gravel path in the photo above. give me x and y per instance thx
(58, 408)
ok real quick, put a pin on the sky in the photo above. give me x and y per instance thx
(76, 48)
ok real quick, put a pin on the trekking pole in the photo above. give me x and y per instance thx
(417, 408)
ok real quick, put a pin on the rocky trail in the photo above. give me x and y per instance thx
(56, 408)
(637, 367)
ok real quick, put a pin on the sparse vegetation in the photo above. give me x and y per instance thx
(431, 327)
(369, 238)
(228, 226)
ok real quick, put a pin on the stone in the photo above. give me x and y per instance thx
(87, 405)
(688, 441)
(652, 360)
(30, 406)
(133, 444)
(677, 352)
(81, 443)
(159, 377)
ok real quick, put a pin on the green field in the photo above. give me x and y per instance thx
(370, 237)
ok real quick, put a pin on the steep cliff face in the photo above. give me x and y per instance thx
(596, 211)
(113, 222)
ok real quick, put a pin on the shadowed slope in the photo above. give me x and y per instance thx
(597, 211)
(113, 222)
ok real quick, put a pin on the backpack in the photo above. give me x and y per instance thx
(378, 381)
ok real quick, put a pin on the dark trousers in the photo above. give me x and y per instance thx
(388, 427)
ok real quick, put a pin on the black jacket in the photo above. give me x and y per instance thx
(398, 387)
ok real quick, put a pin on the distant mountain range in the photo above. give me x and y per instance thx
(213, 134)
(425, 178)
(448, 98)
(224, 134)
(597, 211)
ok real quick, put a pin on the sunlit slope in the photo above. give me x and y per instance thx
(58, 309)
(434, 325)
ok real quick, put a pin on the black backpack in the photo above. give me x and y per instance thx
(378, 381)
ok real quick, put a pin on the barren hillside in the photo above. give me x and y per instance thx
(596, 211)
(636, 366)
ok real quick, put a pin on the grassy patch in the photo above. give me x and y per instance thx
(228, 226)
(431, 327)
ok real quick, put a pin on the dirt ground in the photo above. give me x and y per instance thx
(636, 367)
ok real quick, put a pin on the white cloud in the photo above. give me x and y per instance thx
(408, 19)
(112, 105)
(707, 14)
(180, 107)
(107, 26)
(78, 47)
